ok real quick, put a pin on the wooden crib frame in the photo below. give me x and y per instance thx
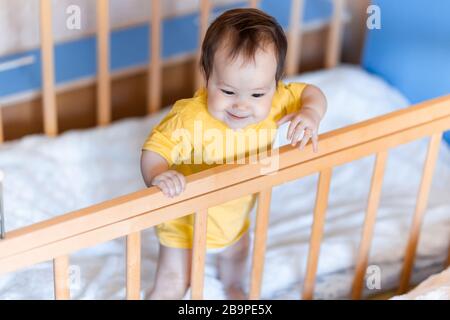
(56, 238)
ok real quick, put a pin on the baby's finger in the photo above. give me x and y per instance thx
(299, 131)
(161, 184)
(304, 141)
(181, 179)
(315, 142)
(285, 119)
(176, 182)
(295, 121)
(171, 184)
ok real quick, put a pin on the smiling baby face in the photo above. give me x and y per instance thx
(240, 90)
(242, 59)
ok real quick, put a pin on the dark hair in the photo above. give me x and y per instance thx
(248, 30)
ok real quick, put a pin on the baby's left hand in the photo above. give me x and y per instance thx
(304, 126)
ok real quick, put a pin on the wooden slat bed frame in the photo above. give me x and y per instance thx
(57, 238)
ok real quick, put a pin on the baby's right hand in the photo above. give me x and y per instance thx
(171, 183)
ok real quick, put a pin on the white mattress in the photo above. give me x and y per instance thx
(48, 177)
(436, 287)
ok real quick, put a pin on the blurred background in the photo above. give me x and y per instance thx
(410, 51)
(75, 55)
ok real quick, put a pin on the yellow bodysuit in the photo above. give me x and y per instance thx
(188, 138)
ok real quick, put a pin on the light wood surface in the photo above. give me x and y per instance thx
(155, 66)
(205, 8)
(259, 245)
(448, 257)
(320, 209)
(334, 42)
(134, 266)
(48, 69)
(198, 254)
(61, 277)
(254, 3)
(137, 222)
(294, 38)
(369, 224)
(421, 206)
(103, 59)
(394, 128)
(2, 135)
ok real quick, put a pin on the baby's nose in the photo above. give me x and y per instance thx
(239, 105)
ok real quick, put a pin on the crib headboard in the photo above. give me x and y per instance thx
(154, 68)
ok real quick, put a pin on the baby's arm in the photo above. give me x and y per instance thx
(155, 171)
(307, 120)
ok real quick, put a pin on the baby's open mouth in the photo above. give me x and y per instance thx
(237, 117)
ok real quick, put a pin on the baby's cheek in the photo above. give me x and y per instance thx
(263, 111)
(216, 103)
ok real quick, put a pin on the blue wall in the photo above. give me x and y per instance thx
(412, 48)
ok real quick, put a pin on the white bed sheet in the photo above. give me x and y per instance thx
(436, 287)
(47, 177)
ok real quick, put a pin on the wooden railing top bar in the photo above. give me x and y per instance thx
(146, 200)
(137, 223)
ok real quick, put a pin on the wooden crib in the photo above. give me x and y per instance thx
(128, 215)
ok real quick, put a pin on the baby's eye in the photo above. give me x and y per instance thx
(227, 92)
(257, 95)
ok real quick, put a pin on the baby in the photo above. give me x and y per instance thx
(242, 60)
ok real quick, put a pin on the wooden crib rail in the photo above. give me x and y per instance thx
(335, 33)
(334, 37)
(48, 69)
(50, 113)
(103, 58)
(130, 214)
(447, 263)
(1, 125)
(154, 73)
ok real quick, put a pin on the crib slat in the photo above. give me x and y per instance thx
(134, 266)
(61, 277)
(294, 48)
(198, 254)
(2, 207)
(259, 247)
(155, 66)
(48, 70)
(103, 82)
(2, 137)
(316, 232)
(254, 3)
(334, 41)
(369, 223)
(448, 258)
(421, 206)
(205, 7)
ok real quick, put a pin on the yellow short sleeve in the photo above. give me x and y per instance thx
(169, 139)
(294, 91)
(287, 99)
